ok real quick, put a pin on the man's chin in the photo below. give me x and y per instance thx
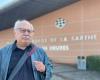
(26, 41)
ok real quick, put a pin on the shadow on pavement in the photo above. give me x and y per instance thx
(69, 72)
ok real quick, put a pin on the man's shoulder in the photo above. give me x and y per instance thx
(5, 47)
(39, 49)
(36, 47)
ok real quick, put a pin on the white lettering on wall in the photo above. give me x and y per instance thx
(59, 48)
(56, 47)
(83, 37)
(61, 43)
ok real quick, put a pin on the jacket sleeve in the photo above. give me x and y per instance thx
(0, 63)
(48, 64)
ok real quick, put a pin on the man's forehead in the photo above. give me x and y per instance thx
(25, 25)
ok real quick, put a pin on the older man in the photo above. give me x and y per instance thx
(36, 66)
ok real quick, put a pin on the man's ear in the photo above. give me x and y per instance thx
(13, 31)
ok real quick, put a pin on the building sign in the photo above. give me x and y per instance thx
(61, 43)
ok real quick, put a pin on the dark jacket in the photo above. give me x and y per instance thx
(39, 55)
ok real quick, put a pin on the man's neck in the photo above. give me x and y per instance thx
(21, 45)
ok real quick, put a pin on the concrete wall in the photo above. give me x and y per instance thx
(80, 36)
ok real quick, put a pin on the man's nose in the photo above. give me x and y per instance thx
(26, 32)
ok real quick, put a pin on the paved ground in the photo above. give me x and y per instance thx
(66, 72)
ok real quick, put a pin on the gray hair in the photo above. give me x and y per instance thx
(18, 22)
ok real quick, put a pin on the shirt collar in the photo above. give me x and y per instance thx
(15, 46)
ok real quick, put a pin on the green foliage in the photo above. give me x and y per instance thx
(93, 62)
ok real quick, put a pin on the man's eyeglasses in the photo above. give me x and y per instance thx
(25, 30)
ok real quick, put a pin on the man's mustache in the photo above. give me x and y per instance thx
(26, 36)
